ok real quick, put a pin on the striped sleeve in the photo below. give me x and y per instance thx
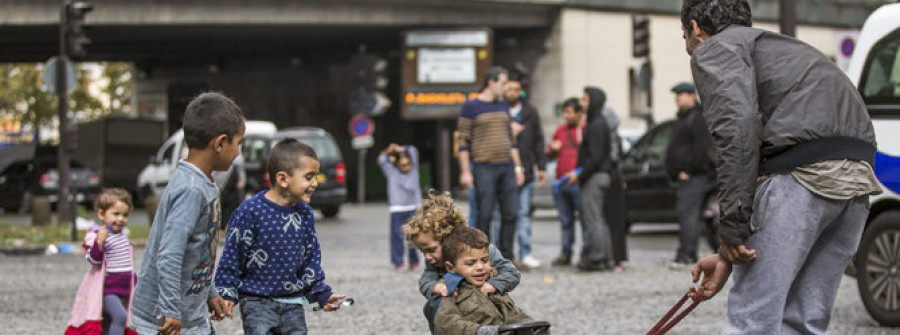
(464, 127)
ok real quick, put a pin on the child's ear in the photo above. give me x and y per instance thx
(280, 177)
(219, 142)
(448, 266)
(100, 215)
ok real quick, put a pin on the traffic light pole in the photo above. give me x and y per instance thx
(63, 206)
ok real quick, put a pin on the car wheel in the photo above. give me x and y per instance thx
(25, 205)
(878, 268)
(331, 211)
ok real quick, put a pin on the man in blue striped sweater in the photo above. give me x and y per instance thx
(486, 142)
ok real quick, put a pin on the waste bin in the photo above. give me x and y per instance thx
(151, 203)
(40, 211)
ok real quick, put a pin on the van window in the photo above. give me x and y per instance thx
(881, 81)
(166, 157)
(254, 149)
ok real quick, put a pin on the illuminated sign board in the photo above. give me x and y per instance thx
(441, 70)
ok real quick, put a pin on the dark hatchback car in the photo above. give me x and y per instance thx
(649, 194)
(332, 190)
(21, 181)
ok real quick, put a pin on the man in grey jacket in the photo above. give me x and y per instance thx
(794, 153)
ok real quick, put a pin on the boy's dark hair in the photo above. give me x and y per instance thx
(461, 238)
(574, 103)
(493, 74)
(713, 16)
(286, 155)
(109, 196)
(209, 115)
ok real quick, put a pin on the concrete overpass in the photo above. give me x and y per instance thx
(171, 30)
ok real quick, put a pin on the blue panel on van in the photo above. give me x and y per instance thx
(887, 169)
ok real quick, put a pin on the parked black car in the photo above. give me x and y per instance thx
(21, 181)
(332, 190)
(649, 194)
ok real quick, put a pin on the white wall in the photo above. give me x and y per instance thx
(588, 47)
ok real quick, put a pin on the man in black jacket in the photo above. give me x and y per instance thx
(689, 163)
(594, 180)
(794, 155)
(526, 127)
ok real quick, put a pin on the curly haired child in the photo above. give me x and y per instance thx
(437, 217)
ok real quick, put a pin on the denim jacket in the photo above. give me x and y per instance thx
(176, 274)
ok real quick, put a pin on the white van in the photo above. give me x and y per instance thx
(155, 176)
(875, 70)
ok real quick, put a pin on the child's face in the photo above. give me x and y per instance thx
(404, 165)
(301, 184)
(473, 264)
(115, 217)
(229, 151)
(430, 247)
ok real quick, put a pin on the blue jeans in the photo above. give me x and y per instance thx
(497, 182)
(473, 216)
(568, 200)
(523, 219)
(262, 316)
(398, 219)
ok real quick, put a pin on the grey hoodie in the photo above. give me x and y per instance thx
(176, 274)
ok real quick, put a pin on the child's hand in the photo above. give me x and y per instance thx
(217, 309)
(440, 289)
(229, 306)
(334, 302)
(101, 236)
(487, 288)
(172, 326)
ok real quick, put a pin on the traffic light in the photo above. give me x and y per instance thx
(641, 35)
(371, 81)
(74, 35)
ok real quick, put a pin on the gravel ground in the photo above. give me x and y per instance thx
(37, 291)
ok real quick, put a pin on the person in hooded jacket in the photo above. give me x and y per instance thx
(593, 177)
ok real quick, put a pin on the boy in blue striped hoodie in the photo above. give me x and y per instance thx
(272, 263)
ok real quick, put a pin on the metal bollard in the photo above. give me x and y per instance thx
(40, 211)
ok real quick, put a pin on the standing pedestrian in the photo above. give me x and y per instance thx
(106, 287)
(526, 127)
(593, 180)
(614, 198)
(564, 147)
(689, 164)
(794, 155)
(400, 165)
(175, 293)
(486, 139)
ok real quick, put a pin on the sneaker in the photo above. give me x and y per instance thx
(618, 269)
(398, 267)
(680, 264)
(531, 262)
(562, 261)
(519, 266)
(413, 266)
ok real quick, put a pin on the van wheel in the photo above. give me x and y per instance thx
(331, 211)
(878, 268)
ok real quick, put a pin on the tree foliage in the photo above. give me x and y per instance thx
(24, 97)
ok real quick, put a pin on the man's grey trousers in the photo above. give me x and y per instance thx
(803, 243)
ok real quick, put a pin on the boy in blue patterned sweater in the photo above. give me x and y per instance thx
(271, 264)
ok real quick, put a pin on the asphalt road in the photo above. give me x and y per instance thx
(36, 293)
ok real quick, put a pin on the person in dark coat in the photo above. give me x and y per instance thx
(689, 164)
(794, 153)
(594, 180)
(526, 127)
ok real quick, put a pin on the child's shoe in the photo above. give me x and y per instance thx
(413, 266)
(398, 267)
